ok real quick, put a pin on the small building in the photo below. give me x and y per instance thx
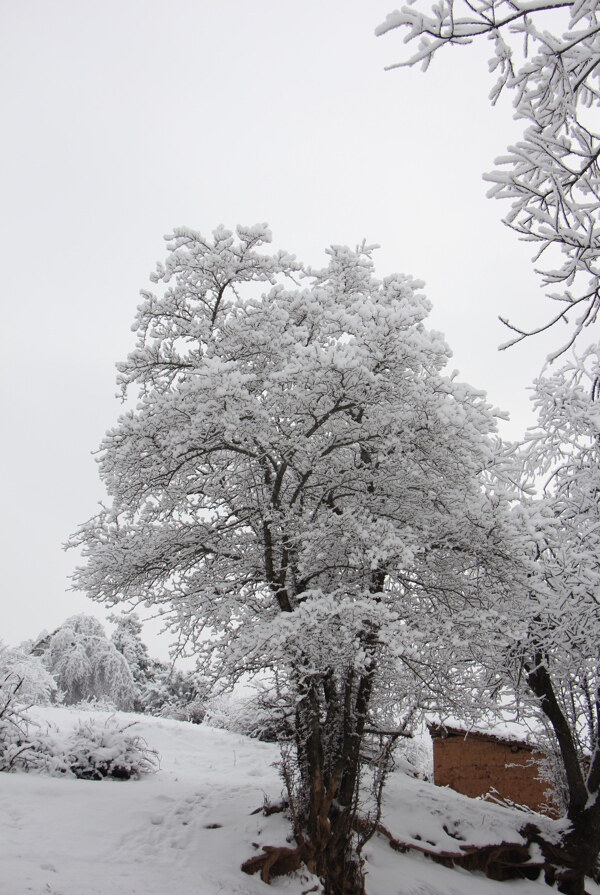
(480, 764)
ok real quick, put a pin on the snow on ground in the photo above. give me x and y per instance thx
(187, 829)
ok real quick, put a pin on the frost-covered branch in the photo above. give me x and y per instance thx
(551, 176)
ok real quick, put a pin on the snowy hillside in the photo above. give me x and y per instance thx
(187, 829)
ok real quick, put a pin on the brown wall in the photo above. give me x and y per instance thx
(474, 766)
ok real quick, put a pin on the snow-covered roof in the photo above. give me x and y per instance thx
(505, 733)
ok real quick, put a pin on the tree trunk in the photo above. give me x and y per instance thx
(330, 721)
(577, 854)
(578, 851)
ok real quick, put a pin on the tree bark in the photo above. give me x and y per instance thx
(577, 854)
(328, 741)
(579, 850)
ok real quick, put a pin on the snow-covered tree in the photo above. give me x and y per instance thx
(547, 54)
(128, 641)
(86, 665)
(161, 689)
(300, 479)
(127, 638)
(543, 639)
(557, 639)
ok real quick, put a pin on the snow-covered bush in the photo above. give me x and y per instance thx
(262, 716)
(414, 756)
(23, 682)
(96, 704)
(36, 686)
(95, 750)
(227, 712)
(87, 665)
(14, 724)
(264, 719)
(174, 694)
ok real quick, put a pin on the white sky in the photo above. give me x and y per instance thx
(121, 120)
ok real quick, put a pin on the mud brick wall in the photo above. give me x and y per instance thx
(475, 765)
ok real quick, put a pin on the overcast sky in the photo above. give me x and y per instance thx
(121, 120)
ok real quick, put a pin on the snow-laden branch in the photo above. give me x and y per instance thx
(551, 177)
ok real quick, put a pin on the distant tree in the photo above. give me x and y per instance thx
(161, 689)
(86, 665)
(173, 693)
(551, 176)
(127, 638)
(300, 479)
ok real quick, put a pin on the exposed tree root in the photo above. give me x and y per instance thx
(561, 864)
(500, 861)
(276, 860)
(270, 808)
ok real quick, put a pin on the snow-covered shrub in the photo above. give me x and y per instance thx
(262, 716)
(415, 756)
(87, 665)
(14, 723)
(23, 682)
(175, 694)
(36, 685)
(95, 750)
(228, 711)
(96, 704)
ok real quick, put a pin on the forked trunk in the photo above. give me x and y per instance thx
(334, 859)
(330, 721)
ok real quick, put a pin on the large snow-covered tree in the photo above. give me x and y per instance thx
(547, 55)
(300, 480)
(557, 639)
(86, 665)
(542, 639)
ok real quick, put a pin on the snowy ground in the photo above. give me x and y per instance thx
(187, 829)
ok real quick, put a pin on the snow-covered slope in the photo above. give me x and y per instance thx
(187, 829)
